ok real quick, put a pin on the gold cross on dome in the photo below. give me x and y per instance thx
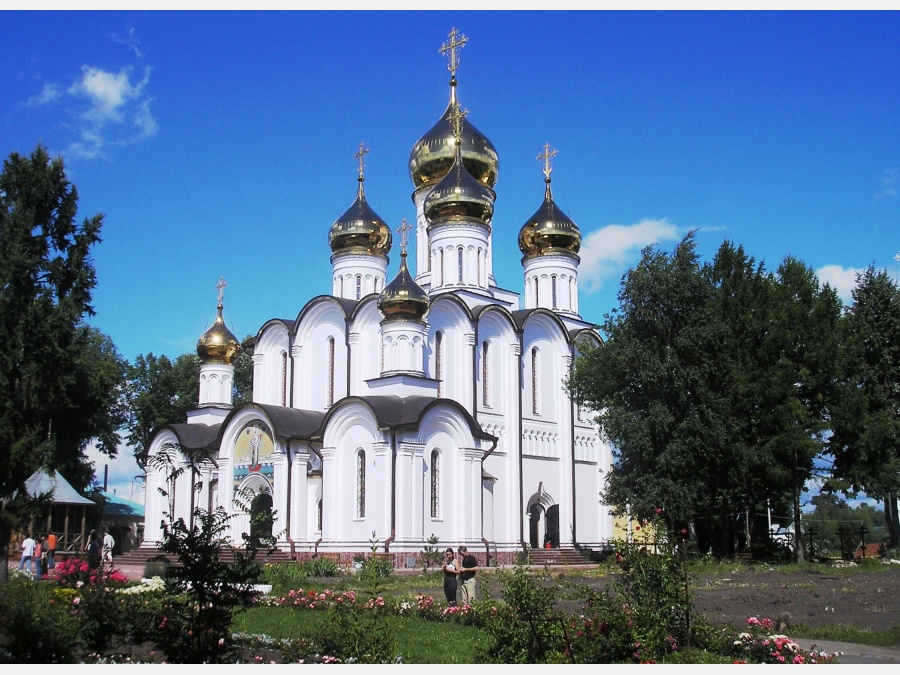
(221, 286)
(545, 156)
(361, 158)
(456, 42)
(456, 120)
(403, 229)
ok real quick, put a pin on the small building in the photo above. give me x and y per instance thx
(125, 521)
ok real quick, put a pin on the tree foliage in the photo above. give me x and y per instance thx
(713, 387)
(865, 441)
(59, 379)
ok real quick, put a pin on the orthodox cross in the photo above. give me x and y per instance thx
(360, 156)
(456, 120)
(221, 286)
(457, 40)
(545, 156)
(403, 229)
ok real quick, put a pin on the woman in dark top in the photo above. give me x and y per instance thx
(451, 569)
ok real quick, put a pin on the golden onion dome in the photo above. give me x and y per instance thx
(360, 229)
(403, 298)
(459, 197)
(433, 154)
(549, 230)
(218, 344)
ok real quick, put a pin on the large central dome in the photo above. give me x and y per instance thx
(433, 154)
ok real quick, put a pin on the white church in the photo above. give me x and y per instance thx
(427, 404)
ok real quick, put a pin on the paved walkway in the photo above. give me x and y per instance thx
(853, 653)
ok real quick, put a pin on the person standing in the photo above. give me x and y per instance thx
(28, 545)
(93, 550)
(108, 543)
(467, 575)
(36, 558)
(451, 570)
(51, 551)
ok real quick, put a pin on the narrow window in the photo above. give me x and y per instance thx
(319, 515)
(485, 385)
(360, 484)
(441, 267)
(341, 287)
(572, 293)
(284, 364)
(358, 287)
(330, 400)
(459, 265)
(537, 292)
(553, 291)
(376, 284)
(439, 361)
(435, 484)
(535, 408)
(480, 271)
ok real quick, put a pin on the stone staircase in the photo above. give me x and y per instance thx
(141, 556)
(570, 557)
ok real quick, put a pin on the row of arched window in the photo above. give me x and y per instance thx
(361, 485)
(558, 286)
(357, 288)
(442, 277)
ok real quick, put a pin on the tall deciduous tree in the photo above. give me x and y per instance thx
(865, 441)
(58, 378)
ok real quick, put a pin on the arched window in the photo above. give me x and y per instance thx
(485, 384)
(480, 271)
(360, 483)
(459, 265)
(435, 484)
(535, 385)
(572, 293)
(439, 361)
(284, 364)
(376, 284)
(441, 267)
(358, 286)
(341, 287)
(537, 292)
(330, 398)
(319, 515)
(553, 291)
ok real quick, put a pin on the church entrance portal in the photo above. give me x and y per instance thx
(261, 519)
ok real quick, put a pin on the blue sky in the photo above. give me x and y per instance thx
(221, 144)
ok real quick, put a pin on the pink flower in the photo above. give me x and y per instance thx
(76, 601)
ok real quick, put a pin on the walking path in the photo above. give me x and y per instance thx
(853, 653)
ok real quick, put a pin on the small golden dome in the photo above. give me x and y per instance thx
(218, 344)
(549, 230)
(458, 197)
(360, 229)
(433, 154)
(403, 298)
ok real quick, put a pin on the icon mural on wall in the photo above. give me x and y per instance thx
(253, 452)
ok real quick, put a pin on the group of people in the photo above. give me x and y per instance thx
(459, 573)
(38, 554)
(100, 550)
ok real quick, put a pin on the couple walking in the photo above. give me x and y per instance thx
(464, 570)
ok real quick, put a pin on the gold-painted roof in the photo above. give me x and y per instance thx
(549, 230)
(360, 229)
(433, 154)
(403, 298)
(218, 344)
(459, 197)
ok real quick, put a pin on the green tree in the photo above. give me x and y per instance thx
(660, 385)
(865, 439)
(58, 378)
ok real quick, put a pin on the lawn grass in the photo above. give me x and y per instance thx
(885, 638)
(419, 641)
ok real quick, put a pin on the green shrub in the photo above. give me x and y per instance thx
(36, 624)
(156, 568)
(320, 567)
(377, 567)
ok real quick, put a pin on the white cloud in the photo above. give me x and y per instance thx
(130, 40)
(118, 111)
(841, 279)
(120, 472)
(890, 182)
(606, 253)
(48, 94)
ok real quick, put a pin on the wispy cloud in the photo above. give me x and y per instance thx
(841, 279)
(48, 94)
(117, 112)
(889, 182)
(606, 253)
(130, 40)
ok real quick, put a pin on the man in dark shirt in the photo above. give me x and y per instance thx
(467, 575)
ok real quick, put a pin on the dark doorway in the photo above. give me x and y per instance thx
(553, 525)
(261, 519)
(536, 512)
